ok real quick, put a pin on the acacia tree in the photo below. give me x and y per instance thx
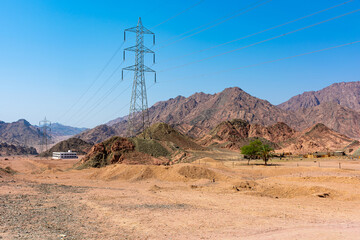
(265, 152)
(257, 149)
(251, 150)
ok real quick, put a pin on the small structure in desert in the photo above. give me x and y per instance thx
(318, 155)
(64, 155)
(339, 153)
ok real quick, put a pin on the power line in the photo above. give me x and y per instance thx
(97, 91)
(138, 103)
(116, 52)
(266, 40)
(178, 14)
(114, 99)
(126, 105)
(253, 34)
(93, 82)
(272, 61)
(256, 64)
(97, 104)
(218, 21)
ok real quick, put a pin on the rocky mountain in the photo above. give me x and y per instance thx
(201, 112)
(98, 134)
(74, 144)
(335, 106)
(236, 133)
(10, 149)
(337, 117)
(317, 138)
(58, 129)
(346, 94)
(20, 132)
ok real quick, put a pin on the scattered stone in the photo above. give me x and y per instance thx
(324, 195)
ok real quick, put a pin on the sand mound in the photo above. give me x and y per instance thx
(292, 191)
(181, 172)
(195, 172)
(7, 171)
(244, 186)
(209, 161)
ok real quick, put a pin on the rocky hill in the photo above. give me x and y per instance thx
(201, 112)
(318, 138)
(346, 94)
(165, 146)
(236, 133)
(98, 134)
(337, 117)
(335, 106)
(10, 149)
(73, 144)
(165, 133)
(20, 132)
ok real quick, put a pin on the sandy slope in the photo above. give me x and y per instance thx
(208, 199)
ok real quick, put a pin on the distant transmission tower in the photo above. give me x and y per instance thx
(45, 130)
(138, 103)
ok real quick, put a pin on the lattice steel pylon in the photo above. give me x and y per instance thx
(138, 119)
(45, 130)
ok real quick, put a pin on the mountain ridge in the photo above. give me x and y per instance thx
(346, 94)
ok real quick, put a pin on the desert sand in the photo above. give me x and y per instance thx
(215, 197)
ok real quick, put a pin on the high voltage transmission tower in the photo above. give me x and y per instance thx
(138, 119)
(45, 130)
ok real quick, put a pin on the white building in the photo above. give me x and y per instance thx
(64, 155)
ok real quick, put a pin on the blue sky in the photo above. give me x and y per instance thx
(51, 52)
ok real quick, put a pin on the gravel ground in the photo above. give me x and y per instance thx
(48, 211)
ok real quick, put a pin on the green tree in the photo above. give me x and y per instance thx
(265, 152)
(251, 150)
(257, 149)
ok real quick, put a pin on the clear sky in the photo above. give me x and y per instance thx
(52, 50)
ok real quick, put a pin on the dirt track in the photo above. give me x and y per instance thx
(210, 200)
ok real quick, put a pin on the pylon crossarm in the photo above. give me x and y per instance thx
(147, 50)
(130, 68)
(146, 31)
(133, 29)
(132, 49)
(135, 48)
(147, 69)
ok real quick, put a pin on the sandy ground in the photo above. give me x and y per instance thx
(206, 199)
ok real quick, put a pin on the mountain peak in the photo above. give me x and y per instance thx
(24, 122)
(346, 94)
